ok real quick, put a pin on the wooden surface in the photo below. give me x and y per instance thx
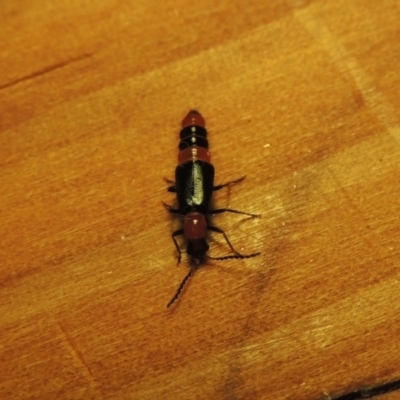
(301, 96)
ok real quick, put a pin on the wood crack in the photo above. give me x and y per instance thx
(370, 392)
(43, 71)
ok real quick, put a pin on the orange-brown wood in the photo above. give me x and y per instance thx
(300, 96)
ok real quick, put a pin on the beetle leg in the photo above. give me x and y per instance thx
(171, 188)
(218, 230)
(170, 208)
(221, 210)
(176, 233)
(239, 255)
(229, 183)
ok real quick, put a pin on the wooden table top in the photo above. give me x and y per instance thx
(302, 97)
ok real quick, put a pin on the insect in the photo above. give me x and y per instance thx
(194, 185)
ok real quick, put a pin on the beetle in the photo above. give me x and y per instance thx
(194, 186)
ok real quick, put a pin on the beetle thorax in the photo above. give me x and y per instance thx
(194, 226)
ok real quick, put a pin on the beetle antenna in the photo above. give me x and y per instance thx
(181, 286)
(235, 256)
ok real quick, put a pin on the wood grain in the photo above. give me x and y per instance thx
(301, 96)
